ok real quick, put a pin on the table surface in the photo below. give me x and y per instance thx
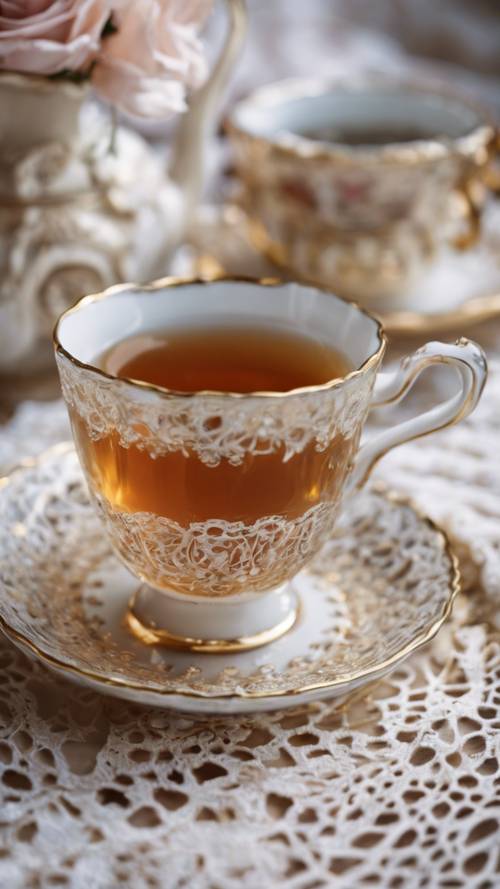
(399, 789)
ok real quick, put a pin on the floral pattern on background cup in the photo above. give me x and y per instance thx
(362, 219)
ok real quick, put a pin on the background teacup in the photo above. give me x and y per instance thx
(354, 187)
(216, 500)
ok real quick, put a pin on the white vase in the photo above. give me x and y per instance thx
(83, 206)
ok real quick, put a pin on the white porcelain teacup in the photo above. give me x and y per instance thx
(277, 465)
(355, 186)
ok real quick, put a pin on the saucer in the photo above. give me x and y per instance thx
(458, 288)
(382, 586)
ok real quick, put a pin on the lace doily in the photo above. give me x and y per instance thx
(397, 789)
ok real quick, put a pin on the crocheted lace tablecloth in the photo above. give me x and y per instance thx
(398, 789)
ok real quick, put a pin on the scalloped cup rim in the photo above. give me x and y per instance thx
(172, 282)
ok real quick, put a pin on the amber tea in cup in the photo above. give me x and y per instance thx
(218, 425)
(181, 486)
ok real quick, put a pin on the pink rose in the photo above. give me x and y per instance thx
(146, 65)
(49, 36)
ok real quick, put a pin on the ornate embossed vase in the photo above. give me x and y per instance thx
(216, 500)
(82, 205)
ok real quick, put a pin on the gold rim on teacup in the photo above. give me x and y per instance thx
(173, 281)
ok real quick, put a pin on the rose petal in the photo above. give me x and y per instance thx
(47, 57)
(155, 54)
(45, 38)
(126, 86)
(23, 8)
(143, 68)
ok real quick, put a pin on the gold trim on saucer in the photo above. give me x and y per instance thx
(156, 636)
(382, 667)
(61, 463)
(397, 322)
(473, 310)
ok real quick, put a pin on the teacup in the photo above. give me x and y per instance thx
(222, 579)
(355, 187)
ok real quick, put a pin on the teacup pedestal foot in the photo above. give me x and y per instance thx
(211, 625)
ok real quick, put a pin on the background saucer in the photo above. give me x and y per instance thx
(382, 586)
(458, 288)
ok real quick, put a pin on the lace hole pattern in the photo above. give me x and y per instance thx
(398, 788)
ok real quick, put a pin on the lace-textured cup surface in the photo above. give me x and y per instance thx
(216, 494)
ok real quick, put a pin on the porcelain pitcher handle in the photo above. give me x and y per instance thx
(467, 359)
(196, 126)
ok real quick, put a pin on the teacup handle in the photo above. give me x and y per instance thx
(465, 356)
(473, 211)
(473, 191)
